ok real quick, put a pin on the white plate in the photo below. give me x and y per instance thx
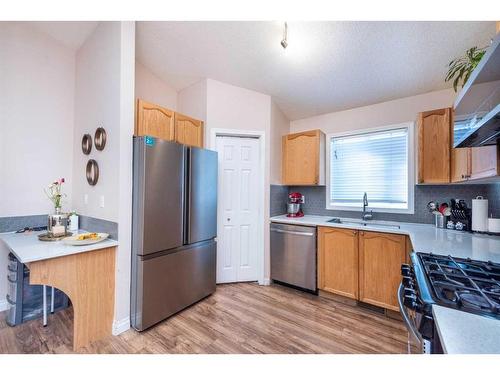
(73, 240)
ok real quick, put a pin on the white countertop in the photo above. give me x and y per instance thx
(460, 332)
(425, 238)
(28, 248)
(464, 333)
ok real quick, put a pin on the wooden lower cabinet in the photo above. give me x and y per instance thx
(338, 261)
(380, 259)
(362, 265)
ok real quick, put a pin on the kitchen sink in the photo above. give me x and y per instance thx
(337, 220)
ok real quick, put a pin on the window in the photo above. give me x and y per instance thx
(376, 162)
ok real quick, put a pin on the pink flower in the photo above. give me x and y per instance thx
(62, 180)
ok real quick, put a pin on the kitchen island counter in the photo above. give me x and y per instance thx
(86, 274)
(28, 248)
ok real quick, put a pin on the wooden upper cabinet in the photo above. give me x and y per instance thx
(485, 162)
(188, 131)
(154, 120)
(338, 261)
(460, 164)
(304, 158)
(472, 163)
(434, 129)
(380, 259)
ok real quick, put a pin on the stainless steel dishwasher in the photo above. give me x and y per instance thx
(293, 255)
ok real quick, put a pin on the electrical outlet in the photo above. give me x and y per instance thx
(101, 201)
(85, 198)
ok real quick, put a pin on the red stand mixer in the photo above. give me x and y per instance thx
(294, 205)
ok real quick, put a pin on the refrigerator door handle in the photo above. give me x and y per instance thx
(187, 192)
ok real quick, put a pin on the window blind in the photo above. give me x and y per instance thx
(375, 163)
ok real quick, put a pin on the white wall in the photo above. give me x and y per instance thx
(104, 96)
(97, 103)
(123, 257)
(36, 123)
(231, 107)
(386, 113)
(280, 125)
(192, 100)
(152, 89)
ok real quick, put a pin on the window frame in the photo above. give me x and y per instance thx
(410, 126)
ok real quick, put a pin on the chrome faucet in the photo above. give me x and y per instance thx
(366, 215)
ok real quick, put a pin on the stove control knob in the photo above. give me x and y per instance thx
(408, 282)
(410, 301)
(406, 270)
(409, 291)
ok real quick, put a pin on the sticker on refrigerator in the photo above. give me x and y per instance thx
(149, 141)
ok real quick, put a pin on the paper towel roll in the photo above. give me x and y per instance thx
(480, 214)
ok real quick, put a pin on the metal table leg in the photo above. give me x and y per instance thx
(44, 306)
(52, 293)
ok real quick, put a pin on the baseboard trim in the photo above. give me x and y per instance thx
(4, 305)
(266, 282)
(120, 326)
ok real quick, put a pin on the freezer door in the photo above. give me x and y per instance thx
(201, 208)
(166, 284)
(158, 195)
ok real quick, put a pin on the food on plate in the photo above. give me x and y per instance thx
(87, 236)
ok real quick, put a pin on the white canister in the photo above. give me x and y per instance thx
(73, 221)
(480, 214)
(493, 225)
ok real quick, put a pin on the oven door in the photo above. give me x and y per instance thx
(416, 343)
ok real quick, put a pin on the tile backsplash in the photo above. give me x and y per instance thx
(13, 223)
(278, 199)
(315, 197)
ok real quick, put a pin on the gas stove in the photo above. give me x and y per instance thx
(463, 284)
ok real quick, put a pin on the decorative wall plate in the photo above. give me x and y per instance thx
(86, 144)
(100, 138)
(92, 172)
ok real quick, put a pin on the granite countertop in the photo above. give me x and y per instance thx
(464, 333)
(28, 248)
(460, 332)
(425, 238)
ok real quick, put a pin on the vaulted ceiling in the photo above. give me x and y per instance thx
(328, 66)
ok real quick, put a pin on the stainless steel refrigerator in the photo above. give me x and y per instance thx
(174, 227)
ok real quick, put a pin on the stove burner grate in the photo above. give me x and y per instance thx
(463, 283)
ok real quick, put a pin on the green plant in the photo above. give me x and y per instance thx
(55, 193)
(462, 67)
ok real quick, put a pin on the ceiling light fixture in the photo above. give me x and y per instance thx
(284, 41)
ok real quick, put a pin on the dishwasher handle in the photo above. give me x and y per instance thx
(308, 234)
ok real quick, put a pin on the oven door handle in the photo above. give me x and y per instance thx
(406, 318)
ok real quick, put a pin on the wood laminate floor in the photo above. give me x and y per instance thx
(237, 318)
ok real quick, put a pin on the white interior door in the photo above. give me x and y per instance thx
(238, 204)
